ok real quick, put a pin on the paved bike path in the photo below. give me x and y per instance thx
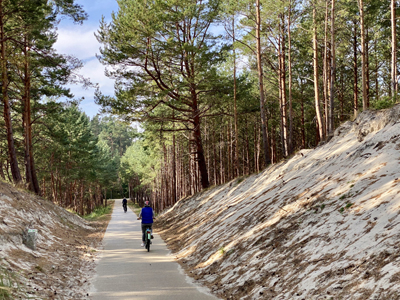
(127, 271)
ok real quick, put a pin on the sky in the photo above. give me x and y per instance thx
(79, 41)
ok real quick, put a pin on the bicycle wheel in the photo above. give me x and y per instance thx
(148, 245)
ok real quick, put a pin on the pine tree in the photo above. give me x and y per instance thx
(165, 58)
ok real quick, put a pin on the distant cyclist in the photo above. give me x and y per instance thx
(147, 216)
(124, 204)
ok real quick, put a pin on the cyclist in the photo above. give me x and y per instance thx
(124, 204)
(147, 216)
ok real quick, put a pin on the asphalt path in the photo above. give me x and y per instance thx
(127, 271)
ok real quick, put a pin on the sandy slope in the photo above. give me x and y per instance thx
(322, 225)
(63, 262)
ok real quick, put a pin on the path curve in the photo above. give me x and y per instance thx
(127, 271)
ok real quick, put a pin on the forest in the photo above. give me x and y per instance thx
(205, 92)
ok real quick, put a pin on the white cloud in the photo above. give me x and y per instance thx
(93, 70)
(78, 41)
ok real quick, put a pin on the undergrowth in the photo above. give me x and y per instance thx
(98, 212)
(9, 287)
(5, 284)
(385, 102)
(135, 207)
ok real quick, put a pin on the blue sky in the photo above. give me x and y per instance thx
(79, 40)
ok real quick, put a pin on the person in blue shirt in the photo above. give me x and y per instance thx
(147, 216)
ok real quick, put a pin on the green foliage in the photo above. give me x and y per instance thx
(230, 251)
(40, 269)
(239, 180)
(71, 143)
(71, 150)
(385, 102)
(223, 251)
(117, 134)
(160, 87)
(160, 61)
(98, 212)
(140, 160)
(135, 207)
(4, 292)
(347, 206)
(9, 286)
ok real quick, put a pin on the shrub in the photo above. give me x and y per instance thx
(98, 212)
(384, 102)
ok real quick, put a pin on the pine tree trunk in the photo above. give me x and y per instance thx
(316, 82)
(201, 162)
(363, 56)
(236, 159)
(267, 159)
(274, 154)
(326, 70)
(376, 70)
(16, 174)
(355, 72)
(394, 49)
(229, 152)
(331, 126)
(30, 172)
(303, 127)
(290, 141)
(2, 175)
(105, 197)
(7, 171)
(214, 158)
(53, 183)
(258, 153)
(174, 175)
(256, 143)
(367, 73)
(283, 96)
(164, 175)
(44, 194)
(247, 148)
(81, 204)
(221, 159)
(341, 99)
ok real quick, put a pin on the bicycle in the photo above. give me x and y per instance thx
(125, 204)
(147, 238)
